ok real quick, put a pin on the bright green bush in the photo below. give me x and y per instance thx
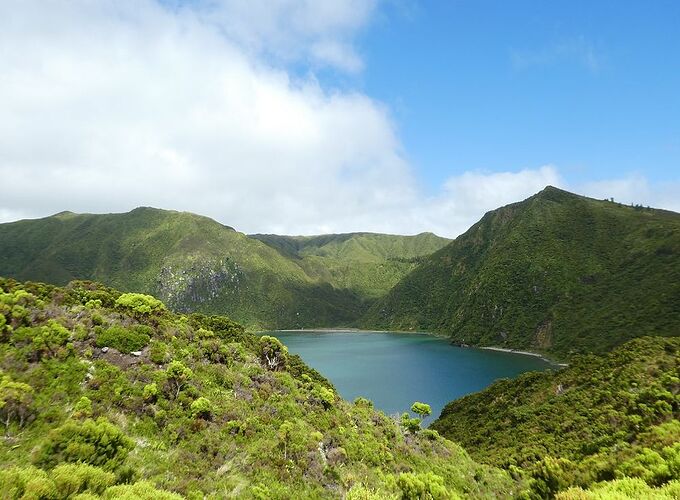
(98, 443)
(202, 408)
(124, 339)
(142, 490)
(178, 375)
(48, 338)
(83, 408)
(70, 479)
(139, 304)
(16, 399)
(423, 486)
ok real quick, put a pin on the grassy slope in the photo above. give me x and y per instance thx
(600, 416)
(557, 272)
(367, 263)
(195, 263)
(279, 433)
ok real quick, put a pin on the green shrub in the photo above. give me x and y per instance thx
(423, 486)
(98, 443)
(202, 408)
(83, 408)
(142, 490)
(158, 352)
(70, 479)
(124, 339)
(139, 304)
(150, 392)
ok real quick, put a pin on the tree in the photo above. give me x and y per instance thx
(285, 435)
(272, 352)
(16, 399)
(178, 374)
(50, 337)
(421, 409)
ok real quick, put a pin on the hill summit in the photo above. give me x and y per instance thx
(557, 272)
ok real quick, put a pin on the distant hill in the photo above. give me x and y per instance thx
(368, 263)
(193, 263)
(557, 273)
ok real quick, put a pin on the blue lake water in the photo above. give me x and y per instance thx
(396, 369)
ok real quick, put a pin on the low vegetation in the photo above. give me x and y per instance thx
(603, 418)
(201, 409)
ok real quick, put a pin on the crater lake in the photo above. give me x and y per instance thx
(395, 369)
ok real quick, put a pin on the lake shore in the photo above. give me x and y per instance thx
(525, 353)
(439, 335)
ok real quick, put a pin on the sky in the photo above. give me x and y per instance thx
(317, 116)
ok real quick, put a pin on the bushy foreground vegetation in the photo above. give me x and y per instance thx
(110, 395)
(601, 419)
(557, 273)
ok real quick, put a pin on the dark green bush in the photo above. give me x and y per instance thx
(124, 339)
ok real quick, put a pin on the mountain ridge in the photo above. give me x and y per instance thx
(193, 262)
(521, 275)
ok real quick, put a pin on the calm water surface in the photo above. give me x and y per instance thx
(396, 369)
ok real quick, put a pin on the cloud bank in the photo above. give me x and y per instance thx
(110, 105)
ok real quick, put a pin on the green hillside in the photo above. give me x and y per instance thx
(558, 273)
(599, 419)
(196, 264)
(109, 395)
(367, 263)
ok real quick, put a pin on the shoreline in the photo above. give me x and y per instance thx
(525, 353)
(438, 335)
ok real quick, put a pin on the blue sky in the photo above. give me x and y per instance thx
(593, 87)
(308, 117)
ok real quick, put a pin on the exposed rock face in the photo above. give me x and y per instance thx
(198, 282)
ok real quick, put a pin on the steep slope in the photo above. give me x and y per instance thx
(111, 395)
(600, 418)
(367, 263)
(191, 262)
(194, 263)
(558, 272)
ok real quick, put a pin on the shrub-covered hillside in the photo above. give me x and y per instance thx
(557, 273)
(599, 419)
(104, 394)
(193, 263)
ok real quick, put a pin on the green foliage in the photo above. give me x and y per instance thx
(557, 273)
(83, 408)
(599, 418)
(622, 489)
(124, 339)
(202, 408)
(178, 375)
(223, 425)
(424, 486)
(71, 479)
(16, 400)
(97, 443)
(48, 338)
(421, 409)
(273, 353)
(142, 490)
(150, 392)
(193, 263)
(140, 304)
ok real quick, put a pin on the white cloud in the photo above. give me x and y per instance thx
(110, 105)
